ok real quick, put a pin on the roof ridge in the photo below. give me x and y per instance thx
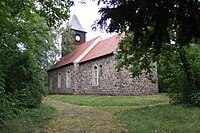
(67, 56)
(90, 50)
(98, 39)
(104, 47)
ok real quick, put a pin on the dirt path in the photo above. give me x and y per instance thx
(81, 119)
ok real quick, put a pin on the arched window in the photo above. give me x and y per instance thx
(100, 70)
(59, 80)
(95, 75)
(51, 82)
(68, 79)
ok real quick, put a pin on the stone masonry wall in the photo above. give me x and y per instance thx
(53, 80)
(111, 82)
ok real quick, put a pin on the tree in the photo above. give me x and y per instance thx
(67, 44)
(26, 42)
(172, 78)
(154, 28)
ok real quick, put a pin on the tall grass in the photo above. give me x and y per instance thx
(32, 120)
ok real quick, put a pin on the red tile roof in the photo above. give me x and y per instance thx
(102, 48)
(74, 55)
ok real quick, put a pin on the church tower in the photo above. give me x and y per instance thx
(80, 33)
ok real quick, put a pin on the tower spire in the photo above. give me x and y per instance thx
(75, 25)
(80, 33)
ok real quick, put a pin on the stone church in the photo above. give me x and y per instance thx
(90, 69)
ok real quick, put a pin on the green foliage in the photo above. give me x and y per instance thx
(23, 86)
(27, 84)
(67, 43)
(135, 58)
(156, 29)
(173, 79)
(27, 51)
(54, 11)
(30, 120)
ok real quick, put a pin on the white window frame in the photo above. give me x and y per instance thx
(59, 80)
(95, 75)
(68, 79)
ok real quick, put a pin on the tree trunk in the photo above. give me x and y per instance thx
(189, 75)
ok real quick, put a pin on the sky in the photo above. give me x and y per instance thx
(87, 14)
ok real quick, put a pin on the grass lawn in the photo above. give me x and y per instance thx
(91, 100)
(30, 121)
(162, 119)
(141, 114)
(106, 114)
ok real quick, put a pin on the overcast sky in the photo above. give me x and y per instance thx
(87, 14)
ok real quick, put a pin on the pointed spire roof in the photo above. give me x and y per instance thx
(75, 24)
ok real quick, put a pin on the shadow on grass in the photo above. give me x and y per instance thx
(162, 118)
(29, 121)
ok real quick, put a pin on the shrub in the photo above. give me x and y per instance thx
(21, 84)
(173, 79)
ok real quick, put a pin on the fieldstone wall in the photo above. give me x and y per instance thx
(111, 82)
(53, 80)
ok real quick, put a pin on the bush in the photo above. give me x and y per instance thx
(21, 84)
(173, 79)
